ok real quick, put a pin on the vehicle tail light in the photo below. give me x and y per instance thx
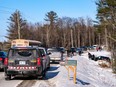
(6, 61)
(0, 59)
(38, 61)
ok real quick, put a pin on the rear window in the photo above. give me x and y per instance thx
(22, 52)
(25, 53)
(53, 50)
(73, 49)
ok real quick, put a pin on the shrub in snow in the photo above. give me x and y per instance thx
(114, 60)
(114, 65)
(104, 64)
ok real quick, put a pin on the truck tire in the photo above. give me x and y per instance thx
(7, 77)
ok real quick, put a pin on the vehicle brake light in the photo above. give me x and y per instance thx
(0, 59)
(38, 61)
(6, 61)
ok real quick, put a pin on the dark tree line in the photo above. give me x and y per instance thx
(55, 32)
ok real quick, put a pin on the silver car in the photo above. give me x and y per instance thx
(55, 55)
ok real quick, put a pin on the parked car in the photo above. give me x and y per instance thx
(78, 50)
(94, 46)
(55, 54)
(29, 61)
(3, 55)
(90, 47)
(93, 57)
(103, 58)
(73, 51)
(84, 48)
(61, 49)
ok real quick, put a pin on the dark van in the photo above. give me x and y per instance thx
(27, 61)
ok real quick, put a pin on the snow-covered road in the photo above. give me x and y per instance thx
(31, 81)
(4, 83)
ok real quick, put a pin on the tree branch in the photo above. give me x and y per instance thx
(111, 38)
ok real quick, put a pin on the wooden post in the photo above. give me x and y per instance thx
(74, 78)
(68, 73)
(71, 65)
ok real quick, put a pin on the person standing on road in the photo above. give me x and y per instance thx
(62, 55)
(80, 52)
(68, 52)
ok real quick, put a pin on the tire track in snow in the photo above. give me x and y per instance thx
(44, 83)
(26, 83)
(40, 83)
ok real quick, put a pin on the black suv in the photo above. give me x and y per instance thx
(30, 61)
(2, 58)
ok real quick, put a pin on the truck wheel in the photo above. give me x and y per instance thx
(40, 77)
(44, 73)
(8, 77)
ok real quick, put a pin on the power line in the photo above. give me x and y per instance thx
(7, 8)
(5, 12)
(12, 9)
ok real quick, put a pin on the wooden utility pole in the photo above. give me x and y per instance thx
(78, 37)
(72, 38)
(75, 39)
(18, 26)
(64, 39)
(99, 39)
(106, 39)
(47, 35)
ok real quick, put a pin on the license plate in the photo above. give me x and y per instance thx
(22, 62)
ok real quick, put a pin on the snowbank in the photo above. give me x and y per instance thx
(89, 74)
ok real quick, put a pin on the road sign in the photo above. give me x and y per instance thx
(70, 65)
(71, 62)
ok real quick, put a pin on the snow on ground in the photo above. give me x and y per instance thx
(89, 74)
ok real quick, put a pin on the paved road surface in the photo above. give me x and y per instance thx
(29, 81)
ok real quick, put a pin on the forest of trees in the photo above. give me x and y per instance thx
(57, 32)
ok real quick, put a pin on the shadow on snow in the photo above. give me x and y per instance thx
(79, 81)
(51, 73)
(52, 68)
(82, 82)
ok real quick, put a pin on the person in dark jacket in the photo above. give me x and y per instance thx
(80, 52)
(62, 55)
